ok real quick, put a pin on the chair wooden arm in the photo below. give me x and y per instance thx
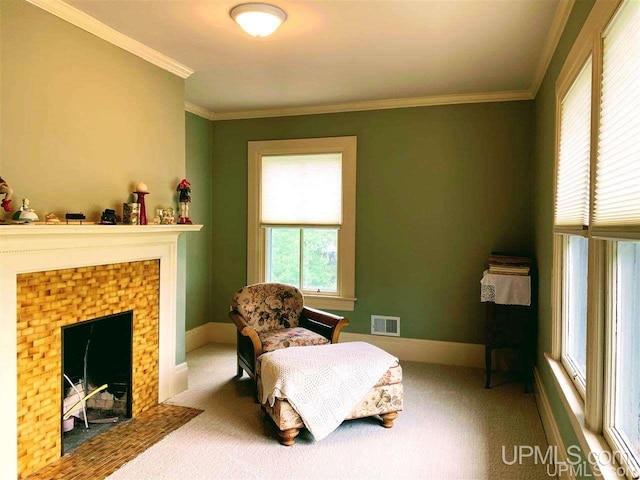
(246, 330)
(324, 323)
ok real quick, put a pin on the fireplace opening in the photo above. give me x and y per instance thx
(96, 377)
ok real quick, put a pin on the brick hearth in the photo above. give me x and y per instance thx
(48, 301)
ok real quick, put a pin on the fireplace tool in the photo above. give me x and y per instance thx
(67, 419)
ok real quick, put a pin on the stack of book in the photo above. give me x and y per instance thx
(504, 264)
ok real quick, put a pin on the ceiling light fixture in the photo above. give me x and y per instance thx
(258, 19)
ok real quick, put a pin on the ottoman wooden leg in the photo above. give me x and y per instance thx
(287, 436)
(388, 418)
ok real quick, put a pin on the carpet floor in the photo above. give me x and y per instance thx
(451, 428)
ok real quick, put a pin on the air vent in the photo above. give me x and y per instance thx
(383, 325)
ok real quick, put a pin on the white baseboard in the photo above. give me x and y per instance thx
(427, 351)
(180, 379)
(551, 430)
(410, 349)
(198, 337)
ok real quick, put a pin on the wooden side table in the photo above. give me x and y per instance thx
(510, 326)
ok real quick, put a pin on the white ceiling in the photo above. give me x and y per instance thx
(330, 52)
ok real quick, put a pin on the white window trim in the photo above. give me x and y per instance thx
(589, 413)
(256, 241)
(593, 445)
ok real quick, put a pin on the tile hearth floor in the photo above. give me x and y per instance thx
(105, 453)
(76, 437)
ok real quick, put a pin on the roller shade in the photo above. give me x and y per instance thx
(301, 189)
(617, 177)
(572, 186)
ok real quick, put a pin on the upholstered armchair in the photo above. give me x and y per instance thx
(270, 316)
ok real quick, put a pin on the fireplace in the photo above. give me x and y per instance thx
(97, 377)
(52, 302)
(56, 276)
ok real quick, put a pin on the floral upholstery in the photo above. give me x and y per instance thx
(387, 396)
(290, 337)
(391, 376)
(379, 400)
(269, 306)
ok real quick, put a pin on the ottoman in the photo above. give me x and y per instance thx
(385, 399)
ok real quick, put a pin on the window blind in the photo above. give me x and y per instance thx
(617, 177)
(301, 189)
(572, 183)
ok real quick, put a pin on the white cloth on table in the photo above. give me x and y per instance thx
(505, 289)
(323, 383)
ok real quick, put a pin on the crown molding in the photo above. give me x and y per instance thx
(506, 96)
(198, 110)
(563, 10)
(88, 23)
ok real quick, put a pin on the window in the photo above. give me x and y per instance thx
(616, 215)
(572, 221)
(301, 218)
(596, 307)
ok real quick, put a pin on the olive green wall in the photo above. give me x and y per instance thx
(543, 205)
(83, 121)
(438, 188)
(198, 156)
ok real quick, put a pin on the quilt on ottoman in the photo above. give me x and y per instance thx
(319, 387)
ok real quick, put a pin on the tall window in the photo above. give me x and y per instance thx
(616, 215)
(301, 210)
(302, 217)
(572, 221)
(597, 226)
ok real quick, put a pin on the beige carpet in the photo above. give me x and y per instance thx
(451, 428)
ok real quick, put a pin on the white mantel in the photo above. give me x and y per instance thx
(36, 248)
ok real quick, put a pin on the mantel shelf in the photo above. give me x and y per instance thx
(92, 229)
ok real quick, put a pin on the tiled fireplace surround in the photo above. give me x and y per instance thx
(53, 276)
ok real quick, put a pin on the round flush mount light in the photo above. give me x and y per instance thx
(258, 19)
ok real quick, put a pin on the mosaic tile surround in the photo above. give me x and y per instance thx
(47, 301)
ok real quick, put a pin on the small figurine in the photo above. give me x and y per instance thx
(25, 214)
(168, 216)
(184, 188)
(108, 217)
(51, 218)
(7, 191)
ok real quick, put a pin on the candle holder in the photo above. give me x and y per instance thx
(142, 216)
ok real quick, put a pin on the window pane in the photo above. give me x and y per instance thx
(283, 255)
(627, 393)
(320, 259)
(576, 303)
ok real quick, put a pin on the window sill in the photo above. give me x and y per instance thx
(593, 445)
(325, 302)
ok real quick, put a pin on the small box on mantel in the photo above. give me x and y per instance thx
(130, 213)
